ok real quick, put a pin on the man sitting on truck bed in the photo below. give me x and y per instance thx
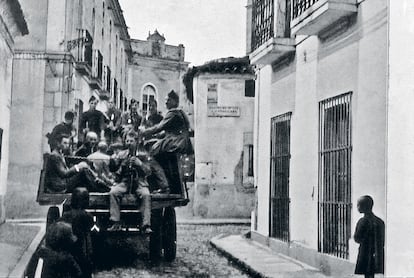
(61, 179)
(132, 173)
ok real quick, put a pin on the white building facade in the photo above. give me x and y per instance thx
(321, 124)
(75, 50)
(223, 93)
(12, 25)
(155, 69)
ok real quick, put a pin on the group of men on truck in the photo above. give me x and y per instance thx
(144, 160)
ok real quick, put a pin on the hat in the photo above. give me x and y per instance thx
(173, 95)
(92, 98)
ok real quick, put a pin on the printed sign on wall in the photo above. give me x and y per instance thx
(224, 111)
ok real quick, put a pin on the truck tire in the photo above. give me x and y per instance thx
(53, 215)
(169, 234)
(155, 246)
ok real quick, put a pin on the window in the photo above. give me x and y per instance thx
(279, 177)
(121, 100)
(107, 79)
(212, 94)
(93, 23)
(115, 93)
(262, 22)
(250, 161)
(334, 194)
(249, 88)
(148, 94)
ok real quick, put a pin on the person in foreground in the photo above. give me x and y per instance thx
(370, 234)
(81, 222)
(132, 173)
(57, 254)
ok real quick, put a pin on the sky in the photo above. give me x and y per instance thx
(208, 29)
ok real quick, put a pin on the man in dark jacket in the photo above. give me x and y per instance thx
(113, 118)
(370, 234)
(65, 127)
(93, 120)
(60, 178)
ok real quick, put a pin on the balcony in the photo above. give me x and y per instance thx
(310, 17)
(270, 36)
(97, 70)
(83, 52)
(106, 83)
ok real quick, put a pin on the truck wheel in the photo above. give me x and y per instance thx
(53, 214)
(155, 237)
(169, 234)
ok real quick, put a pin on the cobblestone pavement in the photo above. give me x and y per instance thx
(195, 256)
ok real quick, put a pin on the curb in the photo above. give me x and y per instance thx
(243, 265)
(20, 268)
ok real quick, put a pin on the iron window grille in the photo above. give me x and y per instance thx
(300, 6)
(262, 22)
(334, 194)
(84, 49)
(279, 177)
(107, 79)
(97, 68)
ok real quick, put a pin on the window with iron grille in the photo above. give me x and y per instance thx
(334, 194)
(300, 6)
(85, 48)
(279, 176)
(262, 22)
(107, 79)
(97, 68)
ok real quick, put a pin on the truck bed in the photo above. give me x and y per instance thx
(101, 200)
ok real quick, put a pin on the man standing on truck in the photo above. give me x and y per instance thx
(132, 173)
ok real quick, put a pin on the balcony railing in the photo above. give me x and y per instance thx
(97, 70)
(270, 38)
(83, 51)
(313, 17)
(106, 80)
(300, 6)
(262, 22)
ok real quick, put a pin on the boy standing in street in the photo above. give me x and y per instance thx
(370, 234)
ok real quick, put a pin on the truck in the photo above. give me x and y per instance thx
(163, 239)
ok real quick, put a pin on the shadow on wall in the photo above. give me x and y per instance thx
(211, 200)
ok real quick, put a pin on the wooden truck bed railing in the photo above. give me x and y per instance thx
(101, 200)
